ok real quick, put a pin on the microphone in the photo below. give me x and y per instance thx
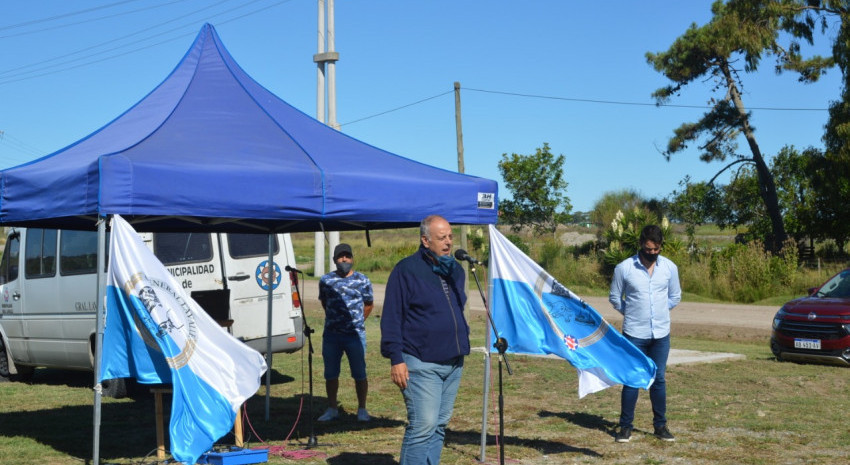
(289, 268)
(461, 255)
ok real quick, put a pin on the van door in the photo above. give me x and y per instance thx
(43, 330)
(249, 277)
(193, 259)
(77, 296)
(11, 299)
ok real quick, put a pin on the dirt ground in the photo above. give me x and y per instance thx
(731, 322)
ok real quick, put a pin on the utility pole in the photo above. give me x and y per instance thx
(325, 61)
(464, 229)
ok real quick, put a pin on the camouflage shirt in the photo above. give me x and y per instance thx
(343, 299)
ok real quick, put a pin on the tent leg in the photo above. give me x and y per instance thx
(98, 343)
(486, 391)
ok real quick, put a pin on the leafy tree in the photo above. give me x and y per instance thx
(694, 205)
(830, 171)
(730, 206)
(537, 185)
(830, 177)
(739, 34)
(793, 171)
(606, 208)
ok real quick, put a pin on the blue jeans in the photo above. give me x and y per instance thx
(429, 398)
(353, 345)
(657, 350)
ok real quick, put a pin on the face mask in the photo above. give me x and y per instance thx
(649, 257)
(343, 268)
(445, 264)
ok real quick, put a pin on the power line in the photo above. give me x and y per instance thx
(6, 75)
(615, 102)
(60, 26)
(399, 108)
(34, 73)
(573, 99)
(66, 15)
(25, 152)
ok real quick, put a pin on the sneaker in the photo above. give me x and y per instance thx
(624, 434)
(330, 414)
(363, 415)
(663, 434)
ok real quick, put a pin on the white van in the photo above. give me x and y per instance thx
(48, 293)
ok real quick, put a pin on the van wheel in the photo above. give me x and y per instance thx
(25, 373)
(4, 364)
(115, 388)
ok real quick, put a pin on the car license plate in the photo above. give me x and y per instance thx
(807, 344)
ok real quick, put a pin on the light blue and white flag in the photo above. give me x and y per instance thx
(538, 315)
(156, 333)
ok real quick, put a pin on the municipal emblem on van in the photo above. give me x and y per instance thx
(266, 277)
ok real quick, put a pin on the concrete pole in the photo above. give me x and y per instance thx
(333, 237)
(319, 239)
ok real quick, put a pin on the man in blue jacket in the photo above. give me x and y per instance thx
(425, 335)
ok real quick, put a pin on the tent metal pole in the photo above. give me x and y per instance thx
(98, 344)
(486, 394)
(271, 277)
(488, 343)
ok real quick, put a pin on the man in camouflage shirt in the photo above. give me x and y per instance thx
(347, 298)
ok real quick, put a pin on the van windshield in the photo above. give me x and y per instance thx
(250, 245)
(175, 248)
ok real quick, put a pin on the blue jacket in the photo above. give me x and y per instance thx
(418, 318)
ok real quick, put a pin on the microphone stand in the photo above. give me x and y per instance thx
(308, 331)
(501, 345)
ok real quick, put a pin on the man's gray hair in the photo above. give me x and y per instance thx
(425, 225)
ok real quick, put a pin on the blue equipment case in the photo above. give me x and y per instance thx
(236, 456)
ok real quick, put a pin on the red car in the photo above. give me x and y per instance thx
(815, 328)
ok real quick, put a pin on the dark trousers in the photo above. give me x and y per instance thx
(657, 350)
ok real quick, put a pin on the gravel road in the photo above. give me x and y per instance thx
(730, 321)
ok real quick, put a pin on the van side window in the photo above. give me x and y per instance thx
(250, 245)
(78, 252)
(40, 253)
(174, 248)
(9, 263)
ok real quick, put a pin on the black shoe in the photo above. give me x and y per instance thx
(624, 434)
(663, 434)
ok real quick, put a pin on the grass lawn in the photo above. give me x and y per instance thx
(753, 411)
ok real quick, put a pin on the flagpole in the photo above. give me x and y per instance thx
(501, 345)
(98, 344)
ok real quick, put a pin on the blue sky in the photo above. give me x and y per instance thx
(569, 73)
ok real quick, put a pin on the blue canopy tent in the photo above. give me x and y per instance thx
(210, 149)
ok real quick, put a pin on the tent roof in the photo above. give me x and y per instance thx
(210, 148)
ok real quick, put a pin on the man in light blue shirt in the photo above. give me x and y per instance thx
(644, 289)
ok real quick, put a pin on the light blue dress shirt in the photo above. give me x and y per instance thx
(645, 301)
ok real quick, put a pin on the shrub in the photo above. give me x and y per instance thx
(623, 236)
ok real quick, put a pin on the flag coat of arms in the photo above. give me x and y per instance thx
(156, 333)
(538, 315)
